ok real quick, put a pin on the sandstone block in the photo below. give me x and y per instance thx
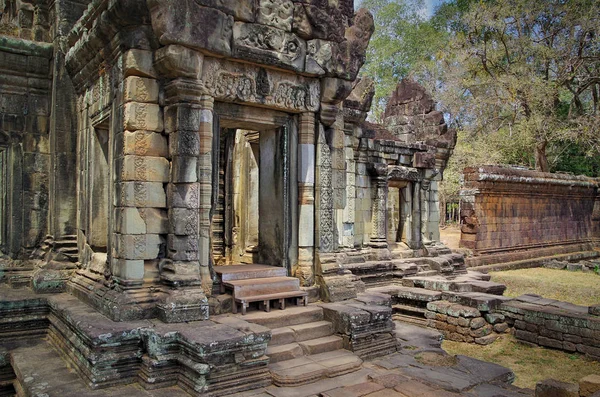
(482, 331)
(143, 168)
(553, 388)
(181, 248)
(140, 89)
(183, 221)
(594, 310)
(129, 221)
(143, 246)
(128, 269)
(186, 117)
(549, 342)
(142, 143)
(478, 322)
(140, 194)
(139, 63)
(184, 143)
(494, 318)
(177, 61)
(501, 327)
(486, 340)
(589, 385)
(526, 336)
(334, 90)
(184, 195)
(188, 23)
(464, 322)
(184, 169)
(569, 346)
(242, 10)
(142, 116)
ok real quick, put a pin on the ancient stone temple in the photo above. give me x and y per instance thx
(167, 161)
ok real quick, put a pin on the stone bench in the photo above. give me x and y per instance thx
(266, 299)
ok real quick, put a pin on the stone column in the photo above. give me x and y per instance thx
(349, 214)
(306, 199)
(415, 241)
(188, 122)
(379, 218)
(324, 196)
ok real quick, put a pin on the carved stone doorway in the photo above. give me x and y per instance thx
(398, 214)
(254, 212)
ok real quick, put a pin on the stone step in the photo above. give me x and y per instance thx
(304, 370)
(322, 345)
(285, 318)
(300, 332)
(251, 271)
(40, 372)
(262, 286)
(284, 352)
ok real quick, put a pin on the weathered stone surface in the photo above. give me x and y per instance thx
(143, 169)
(139, 63)
(142, 116)
(589, 385)
(268, 45)
(139, 89)
(188, 23)
(141, 194)
(552, 388)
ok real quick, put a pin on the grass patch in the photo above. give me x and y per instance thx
(530, 364)
(575, 287)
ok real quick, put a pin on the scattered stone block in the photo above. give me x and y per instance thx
(573, 267)
(553, 388)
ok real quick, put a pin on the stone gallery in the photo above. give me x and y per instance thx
(166, 164)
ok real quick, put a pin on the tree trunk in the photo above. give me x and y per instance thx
(541, 161)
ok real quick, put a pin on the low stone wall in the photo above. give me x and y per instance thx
(555, 324)
(465, 324)
(504, 210)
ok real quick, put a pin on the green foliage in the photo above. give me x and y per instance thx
(519, 79)
(403, 41)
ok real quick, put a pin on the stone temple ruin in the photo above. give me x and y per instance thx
(164, 163)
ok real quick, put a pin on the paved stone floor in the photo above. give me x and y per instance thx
(420, 369)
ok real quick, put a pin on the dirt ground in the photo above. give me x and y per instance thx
(450, 235)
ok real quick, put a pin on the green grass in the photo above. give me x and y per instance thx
(575, 287)
(530, 364)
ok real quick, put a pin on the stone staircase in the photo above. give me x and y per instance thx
(303, 348)
(259, 283)
(411, 295)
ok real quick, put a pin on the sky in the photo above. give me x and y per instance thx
(428, 10)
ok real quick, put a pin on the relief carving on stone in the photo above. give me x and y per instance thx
(276, 13)
(268, 45)
(236, 82)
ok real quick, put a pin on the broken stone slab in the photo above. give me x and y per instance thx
(589, 385)
(556, 264)
(480, 301)
(554, 388)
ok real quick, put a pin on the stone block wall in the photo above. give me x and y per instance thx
(554, 324)
(465, 324)
(505, 209)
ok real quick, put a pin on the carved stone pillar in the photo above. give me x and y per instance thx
(415, 241)
(379, 218)
(188, 121)
(324, 196)
(306, 199)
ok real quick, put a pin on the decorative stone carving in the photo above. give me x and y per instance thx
(276, 13)
(237, 82)
(269, 46)
(188, 23)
